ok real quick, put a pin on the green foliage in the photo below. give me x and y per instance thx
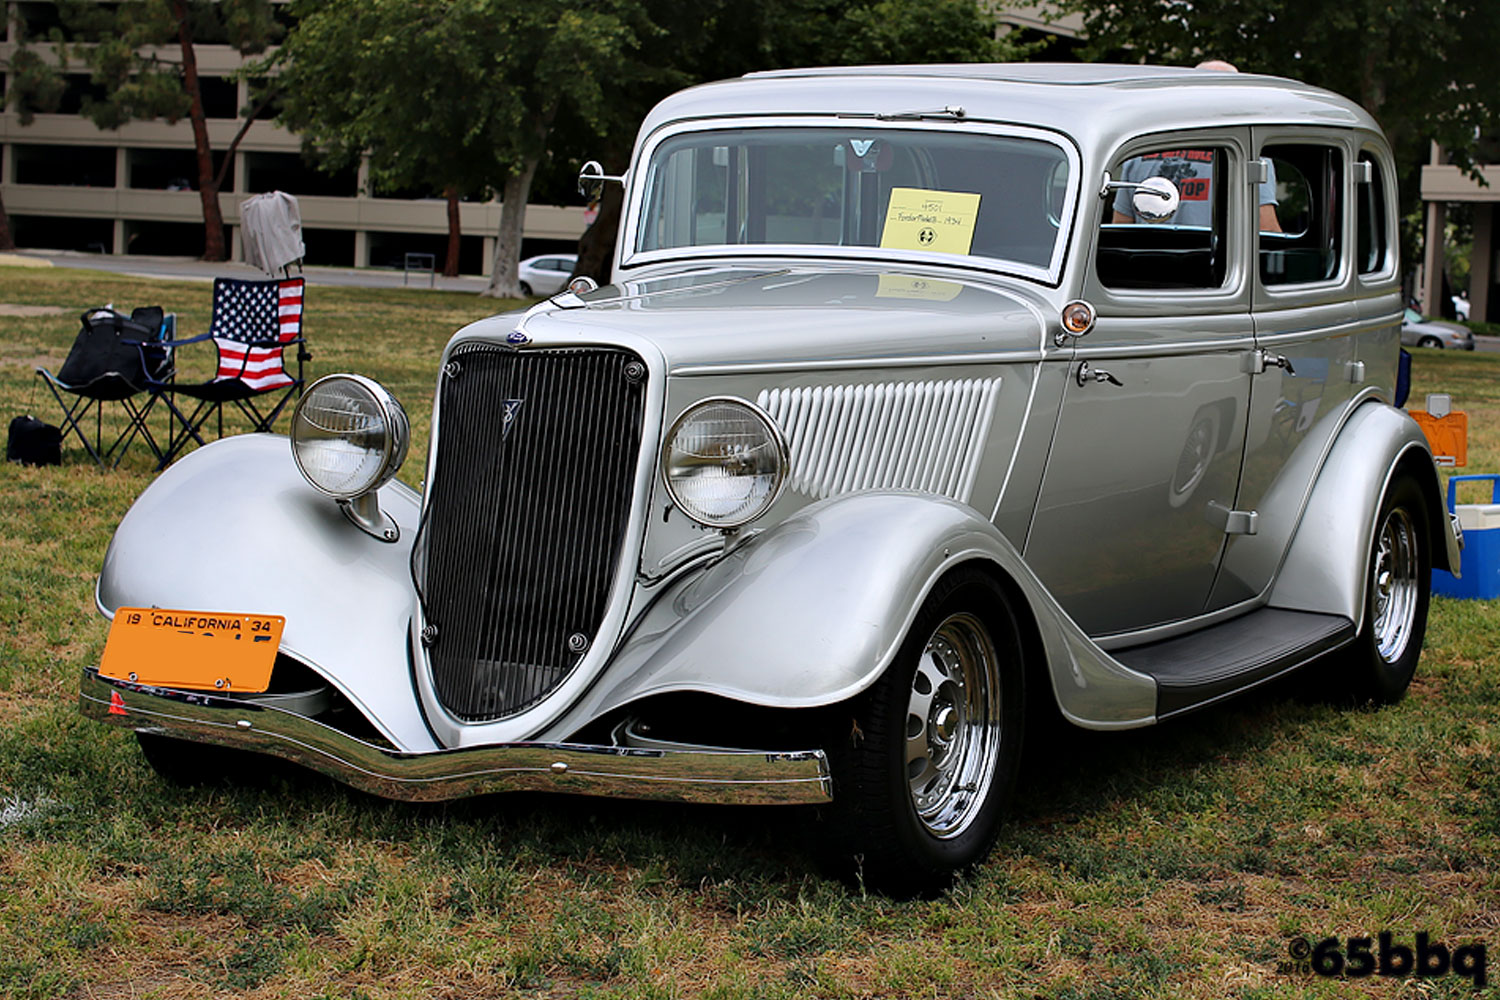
(35, 85)
(446, 93)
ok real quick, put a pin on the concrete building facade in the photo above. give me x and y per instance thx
(1444, 184)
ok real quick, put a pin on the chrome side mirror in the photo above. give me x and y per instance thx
(1155, 199)
(592, 178)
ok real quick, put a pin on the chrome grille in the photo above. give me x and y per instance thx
(529, 502)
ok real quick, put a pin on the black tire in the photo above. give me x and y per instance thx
(182, 762)
(1398, 581)
(906, 826)
(525, 289)
(1424, 342)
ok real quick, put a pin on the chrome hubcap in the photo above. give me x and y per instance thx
(953, 726)
(1395, 585)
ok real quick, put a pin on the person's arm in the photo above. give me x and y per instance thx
(1268, 221)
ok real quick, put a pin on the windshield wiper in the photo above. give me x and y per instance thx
(951, 112)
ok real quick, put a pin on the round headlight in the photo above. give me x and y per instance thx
(724, 462)
(349, 435)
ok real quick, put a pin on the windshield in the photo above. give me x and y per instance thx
(924, 191)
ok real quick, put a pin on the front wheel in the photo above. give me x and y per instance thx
(925, 761)
(1398, 579)
(1430, 342)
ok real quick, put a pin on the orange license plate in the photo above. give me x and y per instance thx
(194, 650)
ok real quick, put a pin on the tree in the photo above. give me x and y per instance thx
(143, 56)
(1421, 67)
(458, 95)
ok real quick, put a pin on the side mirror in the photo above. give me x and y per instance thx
(1155, 199)
(592, 178)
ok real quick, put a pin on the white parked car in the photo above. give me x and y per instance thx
(548, 274)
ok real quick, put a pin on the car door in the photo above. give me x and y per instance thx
(1307, 323)
(1140, 484)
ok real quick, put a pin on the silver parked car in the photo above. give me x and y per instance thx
(924, 399)
(1419, 332)
(547, 274)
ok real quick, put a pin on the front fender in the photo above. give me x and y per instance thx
(810, 613)
(234, 527)
(1325, 567)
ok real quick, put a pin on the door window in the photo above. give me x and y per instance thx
(1372, 227)
(1146, 242)
(1300, 234)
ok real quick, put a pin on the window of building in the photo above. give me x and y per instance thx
(1144, 243)
(68, 166)
(1301, 244)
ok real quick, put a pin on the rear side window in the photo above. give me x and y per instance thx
(1300, 233)
(1372, 228)
(1142, 244)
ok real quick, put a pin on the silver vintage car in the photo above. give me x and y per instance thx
(924, 400)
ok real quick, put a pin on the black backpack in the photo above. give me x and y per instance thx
(32, 442)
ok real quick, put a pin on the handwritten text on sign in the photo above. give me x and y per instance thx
(940, 221)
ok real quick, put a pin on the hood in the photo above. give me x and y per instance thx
(790, 315)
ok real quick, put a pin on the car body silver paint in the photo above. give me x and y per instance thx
(233, 526)
(828, 595)
(1325, 568)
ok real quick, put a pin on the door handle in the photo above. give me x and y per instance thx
(1260, 359)
(1088, 373)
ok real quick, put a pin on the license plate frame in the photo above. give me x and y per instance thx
(223, 652)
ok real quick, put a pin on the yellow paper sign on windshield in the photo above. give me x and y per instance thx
(941, 221)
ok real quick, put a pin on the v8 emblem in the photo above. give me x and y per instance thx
(508, 410)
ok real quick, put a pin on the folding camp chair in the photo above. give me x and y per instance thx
(114, 359)
(253, 323)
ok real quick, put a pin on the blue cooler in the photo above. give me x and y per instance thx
(1481, 558)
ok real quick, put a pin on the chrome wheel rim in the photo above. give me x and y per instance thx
(1394, 585)
(953, 726)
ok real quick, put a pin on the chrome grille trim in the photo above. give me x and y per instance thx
(526, 518)
(924, 436)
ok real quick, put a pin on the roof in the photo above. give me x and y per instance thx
(1096, 103)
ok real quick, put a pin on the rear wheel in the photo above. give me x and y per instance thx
(925, 761)
(525, 289)
(1398, 579)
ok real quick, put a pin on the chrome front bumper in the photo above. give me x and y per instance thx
(749, 777)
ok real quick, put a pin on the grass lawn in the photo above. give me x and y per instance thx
(1173, 862)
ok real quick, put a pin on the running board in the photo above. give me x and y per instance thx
(1196, 670)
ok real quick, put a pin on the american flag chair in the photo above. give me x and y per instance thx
(253, 324)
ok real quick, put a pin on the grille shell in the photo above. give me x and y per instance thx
(527, 515)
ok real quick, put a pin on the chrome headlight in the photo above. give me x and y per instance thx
(724, 462)
(349, 435)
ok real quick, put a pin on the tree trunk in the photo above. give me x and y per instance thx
(455, 230)
(6, 241)
(208, 188)
(596, 247)
(505, 281)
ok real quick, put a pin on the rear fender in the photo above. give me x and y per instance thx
(811, 611)
(1325, 566)
(234, 527)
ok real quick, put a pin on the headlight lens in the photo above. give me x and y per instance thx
(349, 435)
(724, 462)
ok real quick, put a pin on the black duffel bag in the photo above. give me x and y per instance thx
(107, 360)
(32, 442)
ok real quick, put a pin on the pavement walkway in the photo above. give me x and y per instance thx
(192, 269)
